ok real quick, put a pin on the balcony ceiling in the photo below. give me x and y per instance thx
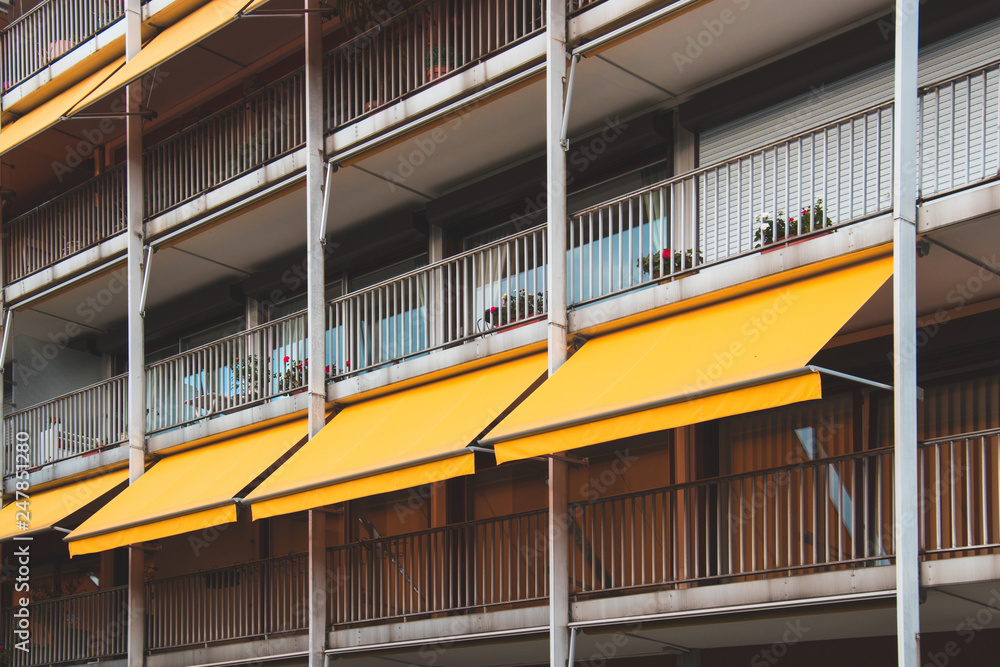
(756, 31)
(654, 68)
(432, 163)
(945, 281)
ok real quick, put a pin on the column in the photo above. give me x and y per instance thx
(315, 315)
(136, 381)
(904, 298)
(555, 187)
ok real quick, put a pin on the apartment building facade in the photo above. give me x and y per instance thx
(640, 332)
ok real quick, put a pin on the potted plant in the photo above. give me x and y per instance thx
(778, 229)
(439, 61)
(294, 375)
(521, 305)
(655, 263)
(248, 376)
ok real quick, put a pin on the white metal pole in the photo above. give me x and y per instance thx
(555, 186)
(904, 335)
(136, 379)
(315, 315)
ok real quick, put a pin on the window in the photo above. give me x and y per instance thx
(297, 304)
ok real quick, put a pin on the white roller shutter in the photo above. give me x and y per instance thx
(941, 60)
(847, 165)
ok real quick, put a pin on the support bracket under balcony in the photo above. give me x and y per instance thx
(148, 114)
(564, 131)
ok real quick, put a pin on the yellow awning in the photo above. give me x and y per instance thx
(48, 114)
(412, 437)
(745, 354)
(189, 491)
(187, 32)
(47, 508)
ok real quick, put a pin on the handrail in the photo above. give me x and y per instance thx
(853, 456)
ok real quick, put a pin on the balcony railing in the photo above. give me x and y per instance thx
(475, 565)
(418, 46)
(811, 515)
(807, 517)
(800, 186)
(959, 132)
(62, 227)
(47, 32)
(960, 481)
(84, 421)
(498, 285)
(237, 371)
(237, 139)
(837, 174)
(257, 599)
(79, 628)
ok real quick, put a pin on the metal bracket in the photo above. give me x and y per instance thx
(331, 169)
(7, 317)
(145, 280)
(149, 114)
(563, 140)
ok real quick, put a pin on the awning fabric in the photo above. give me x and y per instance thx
(189, 491)
(185, 33)
(683, 364)
(49, 507)
(401, 440)
(48, 114)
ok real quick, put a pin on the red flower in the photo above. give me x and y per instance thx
(286, 359)
(327, 369)
(347, 363)
(666, 253)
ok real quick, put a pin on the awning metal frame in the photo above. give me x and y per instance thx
(304, 488)
(672, 400)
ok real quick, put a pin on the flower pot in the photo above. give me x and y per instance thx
(778, 245)
(59, 48)
(437, 72)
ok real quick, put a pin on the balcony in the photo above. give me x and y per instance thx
(52, 29)
(834, 175)
(416, 48)
(707, 215)
(78, 628)
(823, 515)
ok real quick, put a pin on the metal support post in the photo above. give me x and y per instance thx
(315, 313)
(317, 582)
(904, 335)
(555, 185)
(559, 632)
(136, 380)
